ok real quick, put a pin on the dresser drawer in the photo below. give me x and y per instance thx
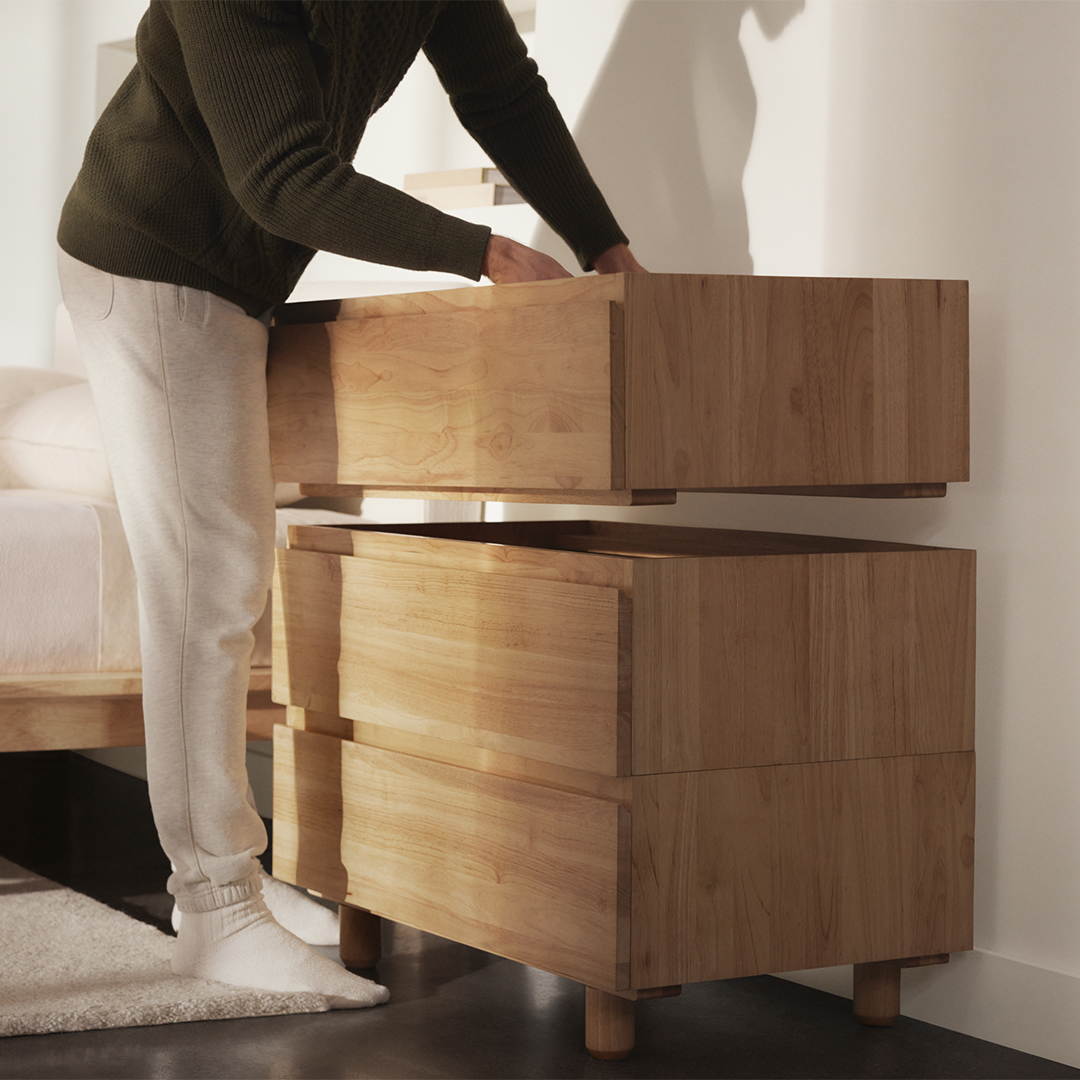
(622, 649)
(679, 878)
(627, 382)
(525, 667)
(530, 872)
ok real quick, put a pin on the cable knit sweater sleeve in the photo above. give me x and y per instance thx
(257, 90)
(223, 161)
(503, 102)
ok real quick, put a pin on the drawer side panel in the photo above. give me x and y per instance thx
(744, 382)
(747, 871)
(774, 660)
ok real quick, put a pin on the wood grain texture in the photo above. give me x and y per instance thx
(847, 491)
(95, 710)
(508, 397)
(506, 549)
(801, 711)
(70, 723)
(463, 754)
(921, 378)
(571, 550)
(308, 813)
(875, 996)
(521, 870)
(360, 937)
(743, 649)
(609, 1025)
(598, 289)
(648, 382)
(736, 382)
(538, 669)
(744, 871)
(704, 875)
(757, 660)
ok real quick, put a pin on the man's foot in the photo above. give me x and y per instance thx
(242, 945)
(294, 910)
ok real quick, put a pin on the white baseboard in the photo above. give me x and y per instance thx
(987, 996)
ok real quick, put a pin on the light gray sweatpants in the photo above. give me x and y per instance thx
(179, 380)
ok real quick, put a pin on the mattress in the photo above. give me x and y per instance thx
(68, 586)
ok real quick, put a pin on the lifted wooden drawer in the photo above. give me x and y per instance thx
(592, 387)
(621, 649)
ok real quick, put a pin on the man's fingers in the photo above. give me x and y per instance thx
(617, 260)
(507, 261)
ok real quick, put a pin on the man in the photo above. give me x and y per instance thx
(218, 169)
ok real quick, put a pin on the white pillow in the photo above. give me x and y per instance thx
(19, 383)
(50, 437)
(52, 442)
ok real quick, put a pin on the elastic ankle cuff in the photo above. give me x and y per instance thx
(213, 897)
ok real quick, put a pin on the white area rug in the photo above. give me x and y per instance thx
(68, 963)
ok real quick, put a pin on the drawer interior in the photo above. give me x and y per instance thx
(608, 538)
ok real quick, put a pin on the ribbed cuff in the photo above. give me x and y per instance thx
(213, 897)
(460, 250)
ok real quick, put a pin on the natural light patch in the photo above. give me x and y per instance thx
(786, 45)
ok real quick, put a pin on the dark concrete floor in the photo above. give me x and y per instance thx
(455, 1011)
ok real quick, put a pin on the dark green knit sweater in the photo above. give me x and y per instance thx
(223, 162)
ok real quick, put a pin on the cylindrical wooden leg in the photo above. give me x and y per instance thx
(876, 993)
(360, 942)
(609, 1025)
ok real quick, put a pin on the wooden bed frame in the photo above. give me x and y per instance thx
(96, 710)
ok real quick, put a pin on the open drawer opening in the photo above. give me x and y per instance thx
(605, 538)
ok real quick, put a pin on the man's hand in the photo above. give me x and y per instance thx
(506, 261)
(617, 260)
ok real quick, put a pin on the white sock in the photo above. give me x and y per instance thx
(293, 909)
(243, 946)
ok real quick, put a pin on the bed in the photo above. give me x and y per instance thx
(69, 646)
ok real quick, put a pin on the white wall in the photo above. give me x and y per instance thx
(48, 55)
(836, 137)
(953, 151)
(48, 79)
(924, 140)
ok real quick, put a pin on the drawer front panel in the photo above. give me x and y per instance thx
(538, 669)
(517, 398)
(528, 872)
(771, 660)
(747, 871)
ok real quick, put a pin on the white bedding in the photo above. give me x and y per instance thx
(64, 586)
(67, 588)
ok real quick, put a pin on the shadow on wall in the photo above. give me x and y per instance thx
(666, 132)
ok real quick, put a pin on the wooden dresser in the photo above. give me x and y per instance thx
(637, 756)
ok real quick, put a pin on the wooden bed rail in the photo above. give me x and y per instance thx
(94, 710)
